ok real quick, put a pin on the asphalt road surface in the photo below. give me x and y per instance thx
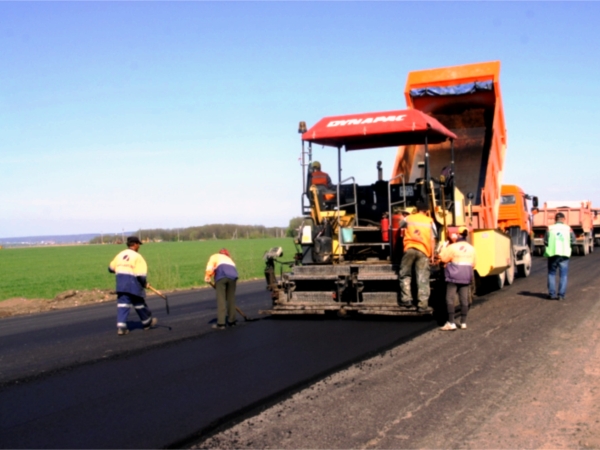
(68, 381)
(523, 375)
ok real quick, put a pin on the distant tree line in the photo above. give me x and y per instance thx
(201, 233)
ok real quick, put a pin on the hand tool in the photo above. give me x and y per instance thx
(160, 294)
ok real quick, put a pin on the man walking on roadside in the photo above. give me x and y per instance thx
(131, 270)
(559, 240)
(419, 242)
(222, 268)
(459, 257)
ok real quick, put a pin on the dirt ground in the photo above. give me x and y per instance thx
(558, 408)
(67, 299)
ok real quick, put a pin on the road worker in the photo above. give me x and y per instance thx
(131, 270)
(319, 178)
(459, 258)
(559, 240)
(419, 242)
(222, 268)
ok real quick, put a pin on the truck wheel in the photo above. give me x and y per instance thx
(498, 281)
(525, 268)
(509, 275)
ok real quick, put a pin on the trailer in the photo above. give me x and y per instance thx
(467, 99)
(578, 215)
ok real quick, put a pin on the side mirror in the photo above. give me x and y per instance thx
(535, 202)
(470, 196)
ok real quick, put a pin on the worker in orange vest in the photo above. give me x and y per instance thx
(419, 242)
(318, 177)
(459, 257)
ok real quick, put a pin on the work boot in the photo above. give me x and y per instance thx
(233, 324)
(406, 304)
(424, 310)
(152, 323)
(122, 331)
(217, 326)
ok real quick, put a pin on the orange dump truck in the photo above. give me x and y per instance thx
(467, 100)
(578, 215)
(515, 220)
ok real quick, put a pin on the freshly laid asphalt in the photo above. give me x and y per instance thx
(68, 381)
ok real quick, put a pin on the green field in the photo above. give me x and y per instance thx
(44, 272)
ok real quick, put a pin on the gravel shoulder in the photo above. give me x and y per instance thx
(68, 299)
(525, 374)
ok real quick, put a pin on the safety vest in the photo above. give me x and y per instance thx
(419, 233)
(559, 240)
(131, 270)
(320, 178)
(460, 259)
(221, 266)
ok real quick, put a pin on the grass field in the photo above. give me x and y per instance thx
(43, 272)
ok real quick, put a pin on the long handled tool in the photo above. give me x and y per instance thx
(246, 318)
(160, 294)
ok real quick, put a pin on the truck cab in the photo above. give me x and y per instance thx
(596, 222)
(514, 219)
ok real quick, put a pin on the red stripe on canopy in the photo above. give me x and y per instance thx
(380, 129)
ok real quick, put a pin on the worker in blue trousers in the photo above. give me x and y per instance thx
(131, 270)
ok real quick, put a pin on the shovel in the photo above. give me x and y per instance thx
(246, 318)
(160, 294)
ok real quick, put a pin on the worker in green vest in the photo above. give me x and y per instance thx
(558, 240)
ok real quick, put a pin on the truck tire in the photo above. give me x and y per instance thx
(524, 269)
(498, 281)
(509, 274)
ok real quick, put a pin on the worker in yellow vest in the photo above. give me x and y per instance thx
(559, 240)
(419, 242)
(131, 275)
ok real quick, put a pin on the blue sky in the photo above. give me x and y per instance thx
(147, 114)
